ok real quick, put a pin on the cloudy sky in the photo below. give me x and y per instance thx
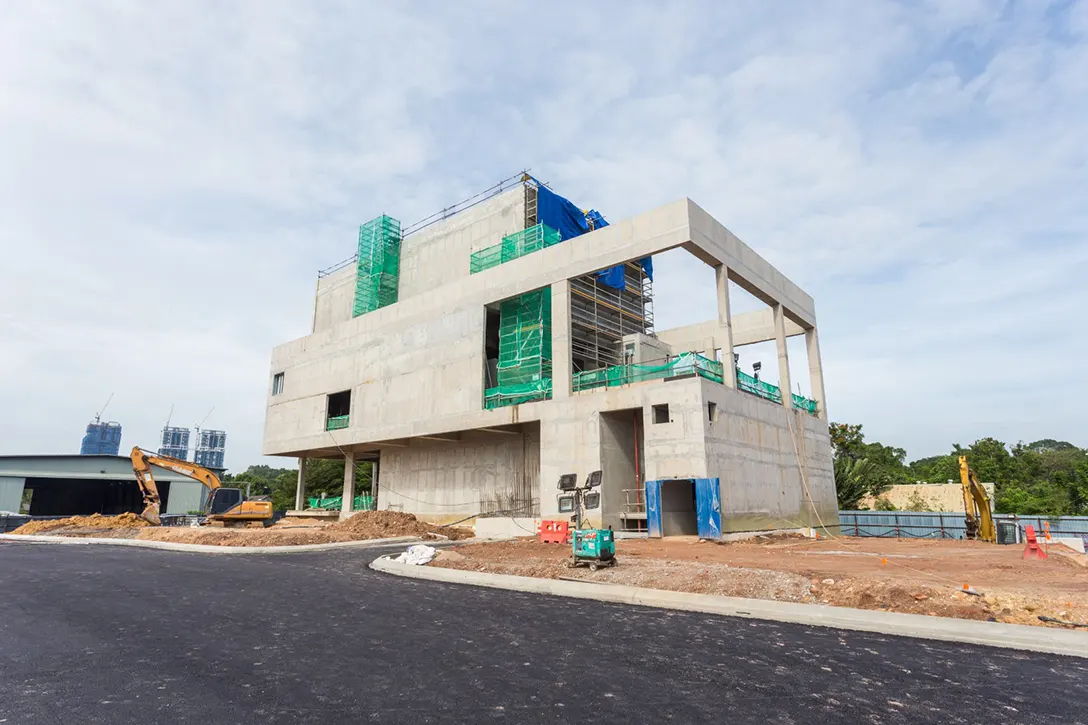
(172, 175)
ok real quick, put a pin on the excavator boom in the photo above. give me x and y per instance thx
(976, 506)
(229, 505)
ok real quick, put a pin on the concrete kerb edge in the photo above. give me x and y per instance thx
(990, 634)
(208, 548)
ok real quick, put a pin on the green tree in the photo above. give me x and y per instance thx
(854, 480)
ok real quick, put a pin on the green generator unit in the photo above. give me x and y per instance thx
(595, 547)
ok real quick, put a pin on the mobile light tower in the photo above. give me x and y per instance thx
(595, 547)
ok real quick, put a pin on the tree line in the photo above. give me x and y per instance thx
(1045, 478)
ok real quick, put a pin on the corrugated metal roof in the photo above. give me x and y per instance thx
(99, 467)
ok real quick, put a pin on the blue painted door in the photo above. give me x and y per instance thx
(653, 508)
(708, 508)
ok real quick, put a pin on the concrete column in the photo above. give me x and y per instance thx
(349, 485)
(816, 371)
(783, 356)
(300, 487)
(561, 363)
(725, 325)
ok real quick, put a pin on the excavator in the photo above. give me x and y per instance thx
(976, 504)
(225, 506)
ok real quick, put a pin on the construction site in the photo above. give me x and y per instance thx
(498, 369)
(477, 356)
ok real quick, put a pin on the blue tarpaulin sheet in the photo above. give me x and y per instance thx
(570, 221)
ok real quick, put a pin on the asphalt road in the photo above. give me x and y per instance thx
(112, 635)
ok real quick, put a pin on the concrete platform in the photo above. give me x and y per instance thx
(324, 515)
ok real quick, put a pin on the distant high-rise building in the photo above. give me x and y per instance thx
(175, 443)
(210, 449)
(101, 439)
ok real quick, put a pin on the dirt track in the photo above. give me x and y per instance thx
(920, 577)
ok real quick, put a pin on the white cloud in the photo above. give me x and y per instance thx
(173, 173)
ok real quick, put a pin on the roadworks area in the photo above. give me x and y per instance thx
(894, 575)
(362, 526)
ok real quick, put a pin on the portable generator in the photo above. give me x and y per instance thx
(596, 547)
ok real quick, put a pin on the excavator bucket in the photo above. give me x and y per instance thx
(151, 514)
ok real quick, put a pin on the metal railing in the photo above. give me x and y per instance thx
(684, 365)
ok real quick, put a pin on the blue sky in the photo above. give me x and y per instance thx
(173, 174)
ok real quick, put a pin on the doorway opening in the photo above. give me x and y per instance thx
(623, 498)
(678, 510)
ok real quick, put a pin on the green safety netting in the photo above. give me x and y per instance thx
(806, 404)
(336, 422)
(687, 363)
(525, 350)
(378, 266)
(752, 385)
(333, 503)
(516, 394)
(513, 246)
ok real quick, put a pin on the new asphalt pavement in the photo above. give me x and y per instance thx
(95, 634)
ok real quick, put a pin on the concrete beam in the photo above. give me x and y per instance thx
(452, 437)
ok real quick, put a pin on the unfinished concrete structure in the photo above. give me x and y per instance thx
(480, 354)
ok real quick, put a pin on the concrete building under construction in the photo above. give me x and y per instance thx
(478, 355)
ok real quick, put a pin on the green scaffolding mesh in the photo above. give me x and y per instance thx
(685, 364)
(525, 350)
(513, 246)
(378, 268)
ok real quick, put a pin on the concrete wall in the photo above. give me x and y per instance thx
(439, 254)
(429, 258)
(449, 480)
(932, 496)
(335, 298)
(11, 493)
(749, 449)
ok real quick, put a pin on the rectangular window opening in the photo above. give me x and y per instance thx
(337, 410)
(712, 411)
(277, 383)
(661, 413)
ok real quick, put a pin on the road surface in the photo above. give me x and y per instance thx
(114, 635)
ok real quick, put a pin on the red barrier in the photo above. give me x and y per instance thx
(554, 532)
(1032, 549)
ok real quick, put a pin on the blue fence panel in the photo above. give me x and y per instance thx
(947, 525)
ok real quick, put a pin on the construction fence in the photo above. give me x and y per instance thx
(951, 525)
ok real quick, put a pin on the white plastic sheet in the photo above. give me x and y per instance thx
(418, 554)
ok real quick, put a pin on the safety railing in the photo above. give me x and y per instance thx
(755, 386)
(686, 364)
(336, 422)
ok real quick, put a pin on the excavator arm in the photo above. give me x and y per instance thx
(976, 505)
(142, 461)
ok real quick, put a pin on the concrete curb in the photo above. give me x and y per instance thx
(991, 634)
(206, 548)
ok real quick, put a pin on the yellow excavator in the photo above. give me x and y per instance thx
(976, 504)
(225, 506)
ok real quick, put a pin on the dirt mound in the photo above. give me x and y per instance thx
(94, 521)
(384, 524)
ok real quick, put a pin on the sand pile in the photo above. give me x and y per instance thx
(94, 521)
(385, 524)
